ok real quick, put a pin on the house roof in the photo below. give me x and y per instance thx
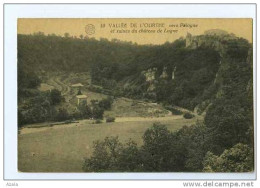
(77, 85)
(81, 96)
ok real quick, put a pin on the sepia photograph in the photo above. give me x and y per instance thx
(135, 95)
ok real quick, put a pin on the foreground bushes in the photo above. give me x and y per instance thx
(239, 158)
(110, 155)
(165, 151)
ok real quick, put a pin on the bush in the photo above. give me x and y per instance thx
(97, 112)
(55, 96)
(76, 115)
(165, 151)
(239, 158)
(174, 111)
(188, 115)
(110, 119)
(161, 152)
(62, 115)
(35, 110)
(98, 121)
(21, 119)
(85, 110)
(157, 150)
(105, 156)
(106, 103)
(110, 155)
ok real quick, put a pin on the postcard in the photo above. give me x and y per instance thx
(135, 95)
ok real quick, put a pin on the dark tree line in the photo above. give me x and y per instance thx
(163, 151)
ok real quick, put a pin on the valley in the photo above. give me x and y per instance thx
(99, 105)
(63, 147)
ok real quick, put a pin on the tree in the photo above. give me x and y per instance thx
(33, 80)
(157, 149)
(106, 103)
(55, 96)
(112, 156)
(66, 35)
(105, 156)
(21, 119)
(27, 79)
(239, 158)
(85, 110)
(97, 112)
(37, 109)
(192, 138)
(227, 123)
(62, 115)
(129, 159)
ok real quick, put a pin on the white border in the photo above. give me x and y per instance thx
(14, 11)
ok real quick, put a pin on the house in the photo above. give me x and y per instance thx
(81, 98)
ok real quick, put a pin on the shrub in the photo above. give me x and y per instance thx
(62, 115)
(55, 96)
(105, 156)
(98, 121)
(157, 152)
(239, 158)
(97, 112)
(110, 119)
(76, 115)
(21, 119)
(85, 111)
(174, 110)
(165, 151)
(106, 103)
(110, 155)
(188, 115)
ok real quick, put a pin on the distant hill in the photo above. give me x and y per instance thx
(52, 53)
(189, 72)
(218, 32)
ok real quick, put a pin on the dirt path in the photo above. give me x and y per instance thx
(145, 119)
(58, 82)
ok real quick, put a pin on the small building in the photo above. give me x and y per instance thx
(81, 98)
(78, 85)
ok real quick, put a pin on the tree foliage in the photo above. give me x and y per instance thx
(236, 159)
(55, 97)
(162, 151)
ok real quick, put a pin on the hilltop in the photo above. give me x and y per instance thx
(187, 72)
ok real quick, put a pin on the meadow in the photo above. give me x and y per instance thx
(46, 147)
(62, 148)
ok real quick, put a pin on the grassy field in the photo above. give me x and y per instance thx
(62, 148)
(45, 147)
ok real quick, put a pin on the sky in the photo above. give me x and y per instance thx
(140, 30)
